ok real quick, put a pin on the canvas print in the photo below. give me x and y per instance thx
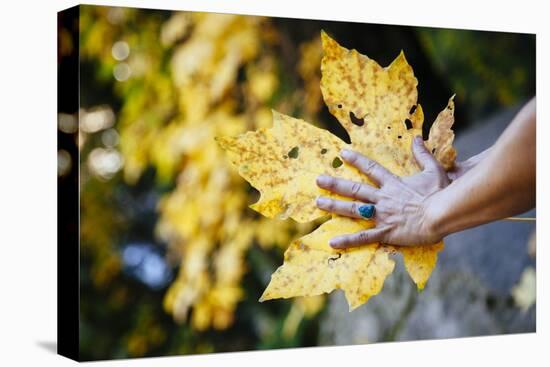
(235, 183)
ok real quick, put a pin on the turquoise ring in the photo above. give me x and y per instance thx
(366, 211)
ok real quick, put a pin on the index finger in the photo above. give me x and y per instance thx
(369, 167)
(355, 190)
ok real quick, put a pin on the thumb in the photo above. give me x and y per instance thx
(424, 158)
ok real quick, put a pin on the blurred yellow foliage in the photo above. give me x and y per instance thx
(309, 68)
(192, 77)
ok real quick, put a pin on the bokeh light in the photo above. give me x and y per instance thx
(64, 162)
(96, 119)
(122, 71)
(144, 262)
(67, 123)
(120, 50)
(104, 163)
(110, 138)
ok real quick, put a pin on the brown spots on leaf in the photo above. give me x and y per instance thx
(304, 247)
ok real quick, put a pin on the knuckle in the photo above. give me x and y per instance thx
(352, 158)
(353, 208)
(363, 237)
(339, 185)
(355, 188)
(387, 178)
(369, 165)
(330, 183)
(425, 155)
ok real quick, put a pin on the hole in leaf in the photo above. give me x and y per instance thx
(336, 162)
(355, 120)
(339, 105)
(323, 151)
(293, 153)
(389, 127)
(413, 108)
(399, 136)
(408, 124)
(433, 151)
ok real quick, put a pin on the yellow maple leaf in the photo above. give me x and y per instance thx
(378, 108)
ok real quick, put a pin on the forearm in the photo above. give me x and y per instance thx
(473, 161)
(501, 185)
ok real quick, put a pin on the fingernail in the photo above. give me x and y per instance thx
(321, 201)
(346, 154)
(333, 243)
(322, 179)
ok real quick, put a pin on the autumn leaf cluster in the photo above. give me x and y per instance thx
(190, 77)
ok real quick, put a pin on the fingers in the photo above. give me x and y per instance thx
(359, 238)
(346, 208)
(369, 167)
(347, 188)
(424, 158)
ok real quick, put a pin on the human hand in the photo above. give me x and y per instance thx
(400, 203)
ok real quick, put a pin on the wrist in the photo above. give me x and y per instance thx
(433, 218)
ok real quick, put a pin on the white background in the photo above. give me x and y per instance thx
(28, 180)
